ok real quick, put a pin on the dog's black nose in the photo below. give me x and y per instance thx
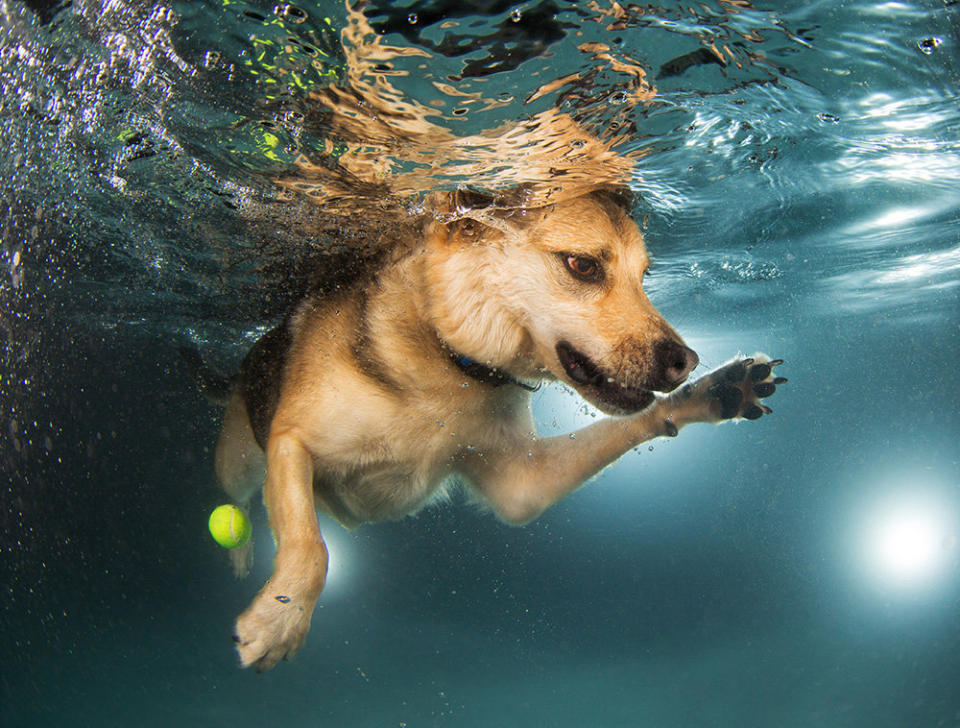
(676, 361)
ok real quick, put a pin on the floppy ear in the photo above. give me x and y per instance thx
(468, 216)
(616, 196)
(442, 231)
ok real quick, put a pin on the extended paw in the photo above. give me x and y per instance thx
(273, 628)
(736, 388)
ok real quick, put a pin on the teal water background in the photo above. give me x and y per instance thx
(802, 200)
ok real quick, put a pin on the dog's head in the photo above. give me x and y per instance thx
(556, 292)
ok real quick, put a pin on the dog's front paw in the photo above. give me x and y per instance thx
(273, 628)
(734, 390)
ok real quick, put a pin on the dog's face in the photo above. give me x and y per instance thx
(560, 290)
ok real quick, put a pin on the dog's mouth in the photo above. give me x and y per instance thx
(601, 389)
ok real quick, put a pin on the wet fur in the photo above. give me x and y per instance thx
(355, 407)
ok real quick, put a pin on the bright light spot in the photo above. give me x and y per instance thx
(342, 564)
(909, 541)
(907, 546)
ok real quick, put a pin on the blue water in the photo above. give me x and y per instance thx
(802, 198)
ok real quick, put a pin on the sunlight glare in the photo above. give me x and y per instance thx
(341, 565)
(909, 541)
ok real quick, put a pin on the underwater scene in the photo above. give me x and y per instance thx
(176, 177)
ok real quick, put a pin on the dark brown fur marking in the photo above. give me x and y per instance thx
(362, 351)
(261, 376)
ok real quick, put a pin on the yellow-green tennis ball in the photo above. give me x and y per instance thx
(229, 526)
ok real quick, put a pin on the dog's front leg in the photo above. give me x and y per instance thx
(275, 625)
(524, 478)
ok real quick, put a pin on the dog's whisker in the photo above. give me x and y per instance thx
(701, 365)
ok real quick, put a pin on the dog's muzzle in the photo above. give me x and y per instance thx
(674, 363)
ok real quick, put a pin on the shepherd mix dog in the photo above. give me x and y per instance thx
(365, 404)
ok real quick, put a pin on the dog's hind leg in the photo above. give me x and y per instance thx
(240, 467)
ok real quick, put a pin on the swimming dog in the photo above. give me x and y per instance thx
(365, 403)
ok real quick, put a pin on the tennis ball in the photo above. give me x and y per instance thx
(229, 526)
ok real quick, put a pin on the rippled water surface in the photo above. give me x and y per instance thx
(180, 173)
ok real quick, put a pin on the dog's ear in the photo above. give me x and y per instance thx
(468, 216)
(620, 197)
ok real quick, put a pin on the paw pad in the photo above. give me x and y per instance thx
(737, 388)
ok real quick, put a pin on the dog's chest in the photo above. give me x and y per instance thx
(378, 487)
(398, 465)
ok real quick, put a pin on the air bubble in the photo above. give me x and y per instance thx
(929, 45)
(412, 18)
(618, 97)
(516, 15)
(828, 118)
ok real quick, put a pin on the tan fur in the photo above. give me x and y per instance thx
(375, 435)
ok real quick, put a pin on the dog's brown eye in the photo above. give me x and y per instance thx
(585, 269)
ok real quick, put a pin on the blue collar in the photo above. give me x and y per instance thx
(484, 373)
